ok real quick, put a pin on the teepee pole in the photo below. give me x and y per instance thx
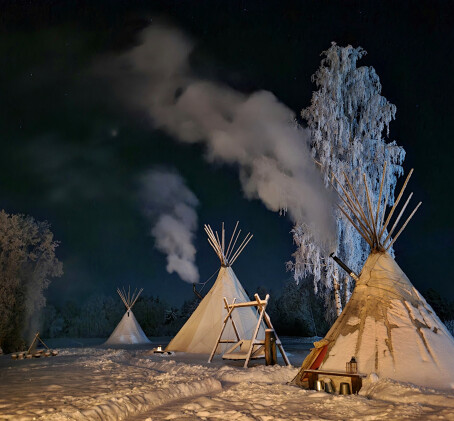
(122, 297)
(213, 241)
(371, 214)
(356, 226)
(366, 221)
(241, 248)
(233, 246)
(379, 198)
(403, 226)
(219, 241)
(358, 217)
(396, 203)
(136, 297)
(398, 219)
(214, 247)
(223, 238)
(380, 235)
(357, 205)
(231, 238)
(210, 234)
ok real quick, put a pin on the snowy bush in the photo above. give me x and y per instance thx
(348, 119)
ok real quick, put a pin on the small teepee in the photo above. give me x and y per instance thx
(387, 325)
(200, 333)
(128, 331)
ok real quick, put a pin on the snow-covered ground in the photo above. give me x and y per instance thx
(95, 383)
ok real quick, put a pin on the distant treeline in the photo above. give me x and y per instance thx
(296, 312)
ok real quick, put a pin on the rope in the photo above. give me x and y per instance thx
(208, 280)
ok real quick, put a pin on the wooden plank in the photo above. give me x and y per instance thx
(254, 336)
(226, 304)
(248, 304)
(336, 373)
(220, 334)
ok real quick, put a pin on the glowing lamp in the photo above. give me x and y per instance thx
(352, 366)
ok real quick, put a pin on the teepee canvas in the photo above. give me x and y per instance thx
(387, 325)
(128, 331)
(200, 332)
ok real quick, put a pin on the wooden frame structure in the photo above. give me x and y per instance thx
(254, 345)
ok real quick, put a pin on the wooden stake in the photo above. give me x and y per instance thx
(403, 227)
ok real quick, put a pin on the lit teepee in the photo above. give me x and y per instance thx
(128, 331)
(387, 325)
(199, 334)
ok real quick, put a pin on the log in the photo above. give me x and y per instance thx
(270, 347)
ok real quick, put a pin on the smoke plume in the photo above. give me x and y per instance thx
(170, 206)
(254, 132)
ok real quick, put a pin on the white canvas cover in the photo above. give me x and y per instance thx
(391, 330)
(128, 331)
(200, 332)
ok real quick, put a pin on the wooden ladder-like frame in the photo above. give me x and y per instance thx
(263, 316)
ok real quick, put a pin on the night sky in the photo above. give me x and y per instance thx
(72, 152)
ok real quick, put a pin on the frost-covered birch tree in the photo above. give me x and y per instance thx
(27, 264)
(349, 122)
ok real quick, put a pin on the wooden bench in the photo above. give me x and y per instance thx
(313, 376)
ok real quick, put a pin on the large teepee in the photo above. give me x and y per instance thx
(200, 332)
(128, 331)
(387, 325)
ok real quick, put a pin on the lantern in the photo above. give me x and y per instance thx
(352, 366)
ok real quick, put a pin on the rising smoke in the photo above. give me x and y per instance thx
(170, 207)
(254, 132)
